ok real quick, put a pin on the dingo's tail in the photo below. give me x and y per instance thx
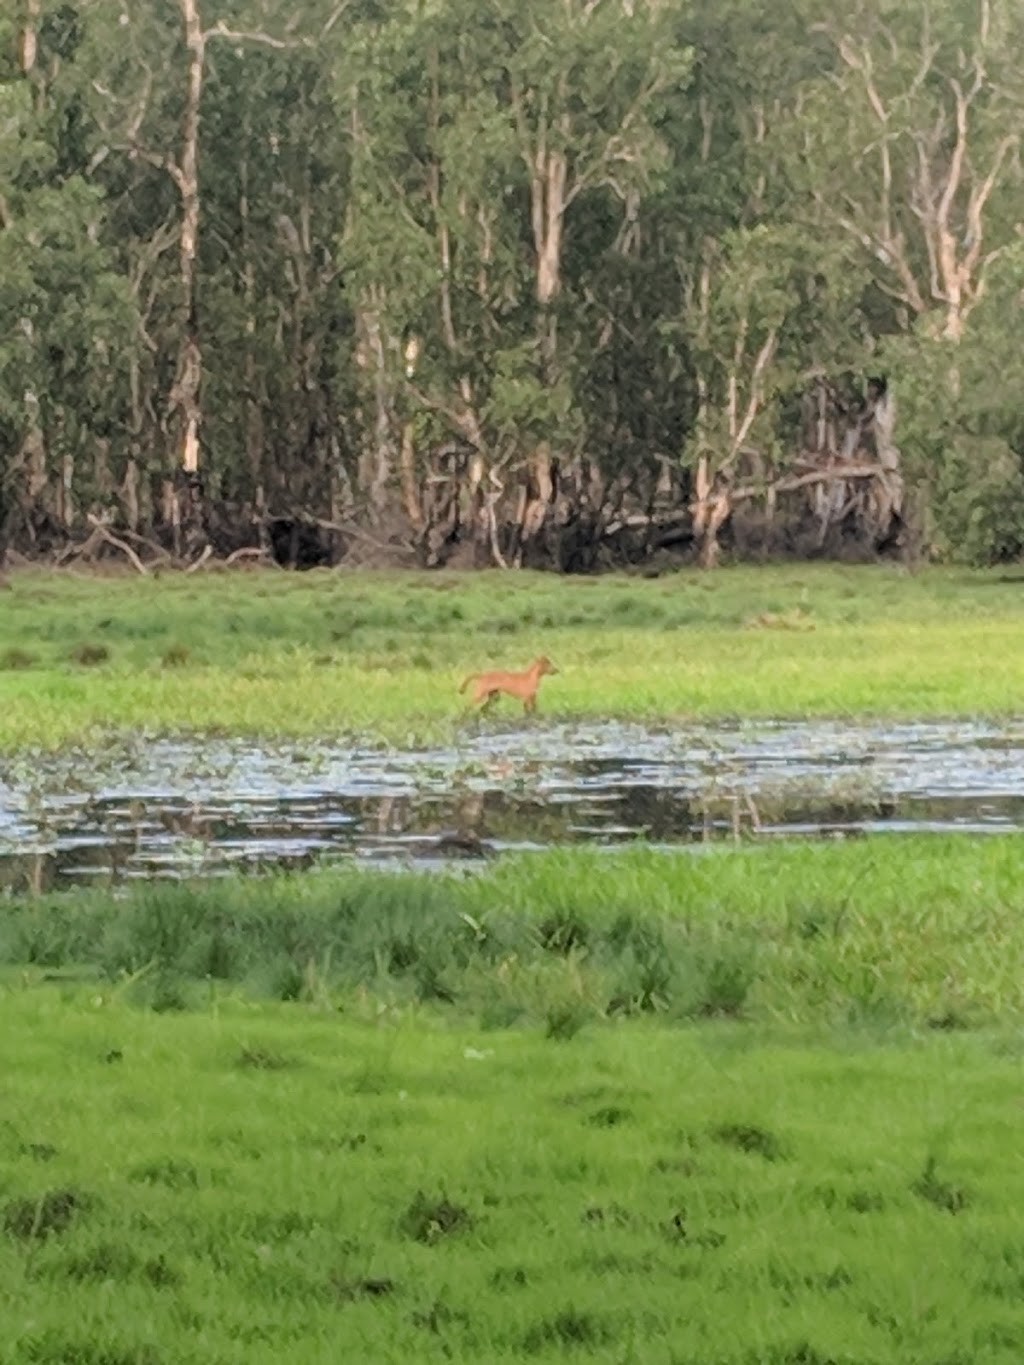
(464, 685)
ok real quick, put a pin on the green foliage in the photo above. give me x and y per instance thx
(71, 319)
(779, 305)
(961, 422)
(978, 503)
(613, 229)
(523, 407)
(456, 111)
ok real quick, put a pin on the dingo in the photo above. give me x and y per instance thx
(522, 685)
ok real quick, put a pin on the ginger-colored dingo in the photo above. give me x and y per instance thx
(522, 685)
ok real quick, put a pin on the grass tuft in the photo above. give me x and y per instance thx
(568, 1330)
(262, 1059)
(429, 1220)
(88, 655)
(14, 659)
(928, 1186)
(45, 1216)
(749, 1138)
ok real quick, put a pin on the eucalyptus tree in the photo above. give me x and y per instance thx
(69, 324)
(156, 61)
(911, 152)
(910, 147)
(515, 272)
(278, 413)
(482, 137)
(762, 305)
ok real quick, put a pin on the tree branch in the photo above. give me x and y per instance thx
(956, 162)
(761, 363)
(117, 544)
(978, 200)
(221, 30)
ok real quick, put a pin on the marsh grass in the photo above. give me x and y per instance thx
(748, 1107)
(338, 654)
(925, 931)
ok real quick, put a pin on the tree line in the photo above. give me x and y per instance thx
(553, 282)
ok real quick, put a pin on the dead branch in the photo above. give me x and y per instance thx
(248, 552)
(198, 563)
(833, 473)
(335, 15)
(152, 546)
(221, 30)
(116, 543)
(81, 550)
(346, 528)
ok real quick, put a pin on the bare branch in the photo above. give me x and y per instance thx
(835, 471)
(221, 30)
(956, 163)
(336, 14)
(761, 363)
(978, 200)
(890, 251)
(198, 563)
(882, 114)
(118, 544)
(162, 163)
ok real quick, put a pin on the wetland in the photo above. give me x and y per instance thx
(731, 938)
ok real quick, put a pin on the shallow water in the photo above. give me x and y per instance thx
(175, 807)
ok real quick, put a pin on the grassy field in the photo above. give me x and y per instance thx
(756, 1107)
(323, 653)
(255, 1185)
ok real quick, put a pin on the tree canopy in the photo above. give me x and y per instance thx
(540, 281)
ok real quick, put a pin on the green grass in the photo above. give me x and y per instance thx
(256, 1184)
(924, 932)
(339, 654)
(742, 1107)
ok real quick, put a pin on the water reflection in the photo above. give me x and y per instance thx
(168, 808)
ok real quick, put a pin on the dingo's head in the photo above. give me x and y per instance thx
(544, 665)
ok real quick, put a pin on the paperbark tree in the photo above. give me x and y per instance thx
(557, 104)
(67, 317)
(910, 147)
